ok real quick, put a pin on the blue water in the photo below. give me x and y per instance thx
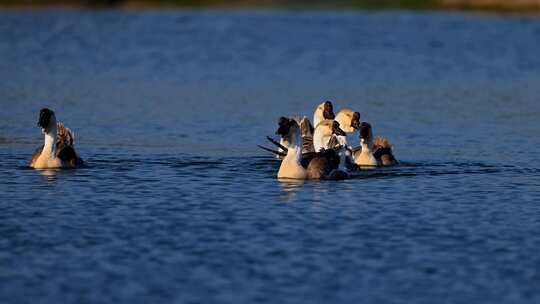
(177, 204)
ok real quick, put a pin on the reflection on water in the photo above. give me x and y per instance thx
(49, 175)
(177, 203)
(290, 188)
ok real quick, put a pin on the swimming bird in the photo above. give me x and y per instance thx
(364, 156)
(291, 166)
(58, 150)
(349, 121)
(297, 165)
(306, 131)
(324, 131)
(382, 151)
(323, 111)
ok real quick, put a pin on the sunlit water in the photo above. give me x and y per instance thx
(177, 203)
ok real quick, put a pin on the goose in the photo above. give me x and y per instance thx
(291, 166)
(349, 121)
(324, 131)
(57, 150)
(364, 156)
(382, 151)
(323, 111)
(296, 165)
(306, 130)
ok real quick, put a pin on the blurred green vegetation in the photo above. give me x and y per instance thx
(492, 5)
(368, 4)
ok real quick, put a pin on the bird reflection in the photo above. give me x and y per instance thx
(289, 188)
(49, 175)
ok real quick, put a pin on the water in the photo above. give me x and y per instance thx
(177, 204)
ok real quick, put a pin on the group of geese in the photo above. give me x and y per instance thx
(322, 152)
(306, 152)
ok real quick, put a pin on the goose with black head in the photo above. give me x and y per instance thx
(58, 149)
(364, 156)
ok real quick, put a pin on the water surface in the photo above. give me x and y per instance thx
(177, 203)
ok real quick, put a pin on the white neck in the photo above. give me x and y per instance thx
(49, 147)
(291, 165)
(320, 142)
(294, 154)
(294, 149)
(295, 138)
(317, 118)
(366, 146)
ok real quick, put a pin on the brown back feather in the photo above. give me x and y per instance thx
(382, 142)
(68, 156)
(318, 168)
(382, 151)
(64, 136)
(307, 135)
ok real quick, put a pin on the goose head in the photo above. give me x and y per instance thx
(323, 111)
(349, 120)
(336, 129)
(47, 121)
(366, 134)
(289, 130)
